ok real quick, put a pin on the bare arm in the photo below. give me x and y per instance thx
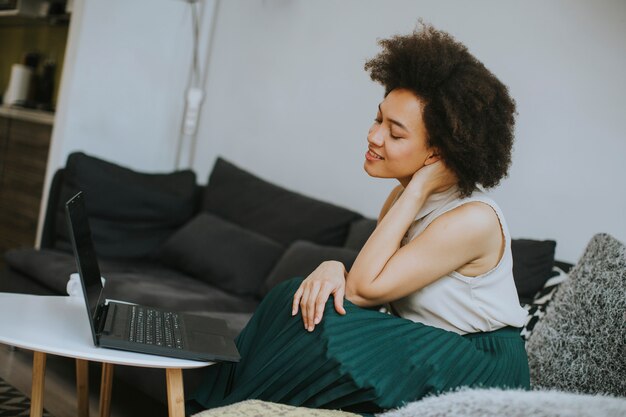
(328, 278)
(458, 238)
(385, 272)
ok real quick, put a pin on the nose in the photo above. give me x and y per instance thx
(375, 135)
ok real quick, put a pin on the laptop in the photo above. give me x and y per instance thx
(136, 328)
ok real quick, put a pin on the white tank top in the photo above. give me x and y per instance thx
(457, 302)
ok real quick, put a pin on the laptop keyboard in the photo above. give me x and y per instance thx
(154, 327)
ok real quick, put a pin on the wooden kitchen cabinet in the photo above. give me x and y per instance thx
(24, 146)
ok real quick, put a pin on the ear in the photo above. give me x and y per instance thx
(433, 157)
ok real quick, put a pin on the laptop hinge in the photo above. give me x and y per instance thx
(101, 312)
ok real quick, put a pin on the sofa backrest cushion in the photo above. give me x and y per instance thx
(282, 215)
(579, 344)
(360, 231)
(301, 258)
(130, 213)
(532, 265)
(221, 253)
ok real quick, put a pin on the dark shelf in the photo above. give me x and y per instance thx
(21, 21)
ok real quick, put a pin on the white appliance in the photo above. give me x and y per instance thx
(25, 8)
(17, 91)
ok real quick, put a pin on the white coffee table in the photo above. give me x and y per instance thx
(59, 325)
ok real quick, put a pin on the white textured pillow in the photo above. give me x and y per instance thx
(258, 408)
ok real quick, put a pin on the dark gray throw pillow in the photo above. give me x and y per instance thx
(282, 215)
(301, 258)
(130, 213)
(221, 253)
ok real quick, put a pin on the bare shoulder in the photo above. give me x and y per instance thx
(478, 215)
(389, 201)
(473, 222)
(470, 236)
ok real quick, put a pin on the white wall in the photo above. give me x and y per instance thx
(288, 99)
(122, 96)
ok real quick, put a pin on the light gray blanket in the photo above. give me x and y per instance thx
(512, 403)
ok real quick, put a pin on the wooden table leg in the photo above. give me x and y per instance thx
(175, 392)
(82, 387)
(106, 385)
(39, 373)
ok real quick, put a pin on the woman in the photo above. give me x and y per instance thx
(439, 258)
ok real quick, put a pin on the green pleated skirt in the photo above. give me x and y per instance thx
(365, 361)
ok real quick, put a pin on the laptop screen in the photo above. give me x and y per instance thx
(85, 255)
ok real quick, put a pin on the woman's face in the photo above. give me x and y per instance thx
(397, 141)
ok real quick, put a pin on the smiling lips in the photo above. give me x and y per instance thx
(370, 155)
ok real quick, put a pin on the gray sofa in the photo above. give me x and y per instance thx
(214, 249)
(165, 241)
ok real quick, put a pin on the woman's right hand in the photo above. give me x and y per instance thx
(328, 278)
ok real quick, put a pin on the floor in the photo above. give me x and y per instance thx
(60, 387)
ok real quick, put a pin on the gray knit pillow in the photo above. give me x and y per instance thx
(580, 343)
(511, 403)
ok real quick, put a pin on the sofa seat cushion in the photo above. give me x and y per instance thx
(50, 268)
(130, 213)
(280, 214)
(169, 289)
(221, 254)
(141, 282)
(16, 282)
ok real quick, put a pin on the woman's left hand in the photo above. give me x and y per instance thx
(328, 278)
(432, 178)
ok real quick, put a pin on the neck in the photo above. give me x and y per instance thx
(404, 181)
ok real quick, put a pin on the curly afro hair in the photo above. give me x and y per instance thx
(468, 113)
